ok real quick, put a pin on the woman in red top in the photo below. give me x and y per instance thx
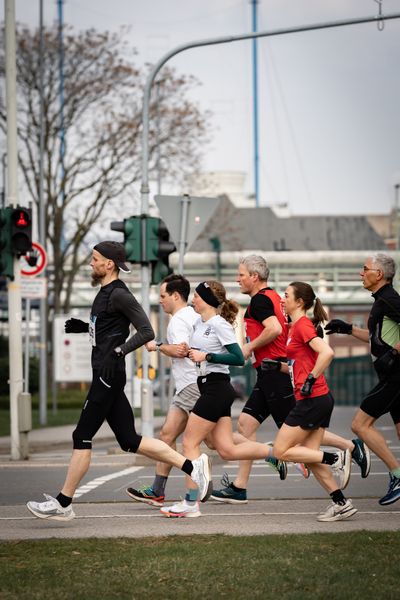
(300, 437)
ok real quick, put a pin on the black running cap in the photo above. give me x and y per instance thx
(114, 251)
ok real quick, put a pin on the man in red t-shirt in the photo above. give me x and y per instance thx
(266, 336)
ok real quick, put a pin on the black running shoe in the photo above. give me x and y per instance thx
(362, 457)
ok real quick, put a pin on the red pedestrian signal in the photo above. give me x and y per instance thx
(21, 231)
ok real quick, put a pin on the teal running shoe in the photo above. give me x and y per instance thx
(228, 494)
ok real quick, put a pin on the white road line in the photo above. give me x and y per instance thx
(226, 514)
(95, 483)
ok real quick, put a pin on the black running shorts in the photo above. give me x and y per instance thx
(311, 413)
(384, 398)
(271, 395)
(216, 397)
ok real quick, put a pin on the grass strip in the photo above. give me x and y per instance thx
(341, 566)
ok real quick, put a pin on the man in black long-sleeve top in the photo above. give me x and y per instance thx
(383, 335)
(113, 311)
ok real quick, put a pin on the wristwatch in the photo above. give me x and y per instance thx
(209, 357)
(158, 345)
(119, 352)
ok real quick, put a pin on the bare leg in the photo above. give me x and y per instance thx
(158, 450)
(290, 445)
(174, 425)
(336, 441)
(323, 475)
(247, 426)
(78, 466)
(197, 430)
(363, 426)
(397, 425)
(228, 450)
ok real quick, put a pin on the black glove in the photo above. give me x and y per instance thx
(76, 326)
(267, 364)
(109, 365)
(338, 326)
(308, 385)
(385, 364)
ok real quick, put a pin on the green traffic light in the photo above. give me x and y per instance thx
(133, 239)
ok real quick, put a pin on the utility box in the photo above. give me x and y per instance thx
(24, 412)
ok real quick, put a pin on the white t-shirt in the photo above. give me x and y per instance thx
(212, 336)
(180, 329)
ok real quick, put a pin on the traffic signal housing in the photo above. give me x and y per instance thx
(132, 230)
(15, 236)
(147, 240)
(159, 247)
(21, 231)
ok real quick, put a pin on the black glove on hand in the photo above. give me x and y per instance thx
(385, 364)
(109, 366)
(338, 326)
(308, 385)
(76, 326)
(267, 364)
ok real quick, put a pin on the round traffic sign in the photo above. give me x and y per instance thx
(40, 264)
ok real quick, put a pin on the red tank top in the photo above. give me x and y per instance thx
(276, 348)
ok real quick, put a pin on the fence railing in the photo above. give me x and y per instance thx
(349, 379)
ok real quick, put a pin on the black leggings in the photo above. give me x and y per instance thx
(107, 404)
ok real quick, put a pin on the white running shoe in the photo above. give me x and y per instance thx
(337, 512)
(201, 475)
(182, 509)
(51, 509)
(341, 469)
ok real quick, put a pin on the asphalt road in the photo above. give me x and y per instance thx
(103, 509)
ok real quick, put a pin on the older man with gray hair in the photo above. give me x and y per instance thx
(383, 334)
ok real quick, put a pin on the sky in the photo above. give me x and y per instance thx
(329, 118)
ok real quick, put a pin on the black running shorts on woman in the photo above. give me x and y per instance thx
(311, 413)
(216, 397)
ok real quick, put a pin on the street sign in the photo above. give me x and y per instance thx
(33, 288)
(200, 211)
(32, 271)
(72, 357)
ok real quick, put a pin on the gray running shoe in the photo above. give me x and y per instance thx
(201, 476)
(337, 512)
(51, 509)
(342, 468)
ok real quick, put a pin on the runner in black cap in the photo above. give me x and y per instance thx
(113, 311)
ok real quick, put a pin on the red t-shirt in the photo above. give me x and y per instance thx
(266, 303)
(302, 358)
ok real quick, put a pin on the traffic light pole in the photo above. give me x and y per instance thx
(19, 447)
(145, 190)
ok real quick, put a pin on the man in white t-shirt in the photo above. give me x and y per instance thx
(174, 294)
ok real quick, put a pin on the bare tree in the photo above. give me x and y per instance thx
(102, 130)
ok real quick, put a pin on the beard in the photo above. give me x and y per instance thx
(96, 279)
